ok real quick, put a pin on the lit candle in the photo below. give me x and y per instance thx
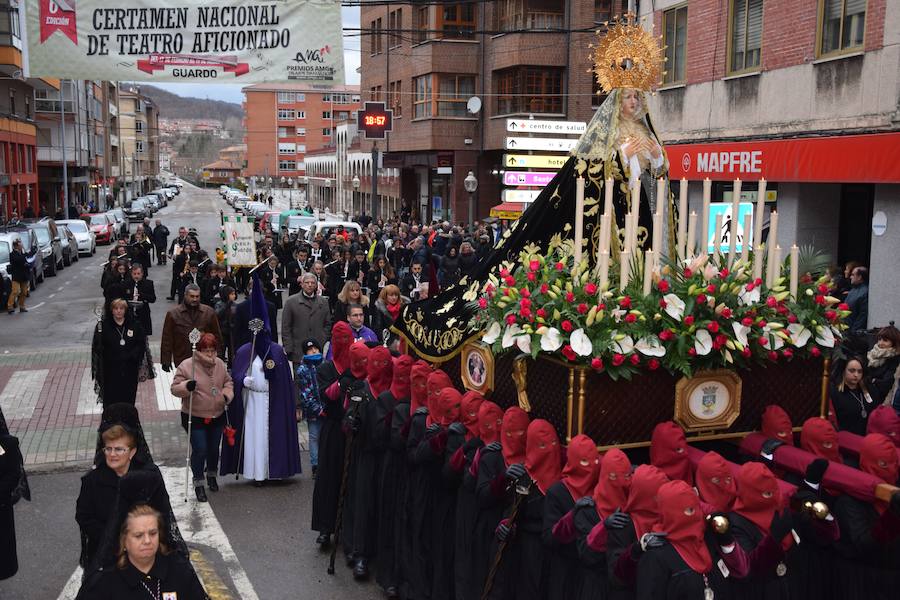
(681, 249)
(745, 243)
(795, 273)
(760, 210)
(635, 222)
(604, 270)
(658, 233)
(735, 210)
(772, 240)
(648, 271)
(758, 255)
(775, 271)
(716, 236)
(635, 198)
(625, 269)
(704, 219)
(691, 236)
(579, 217)
(608, 196)
(626, 235)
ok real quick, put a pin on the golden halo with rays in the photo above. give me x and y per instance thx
(627, 56)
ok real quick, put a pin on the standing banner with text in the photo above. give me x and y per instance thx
(213, 41)
(240, 242)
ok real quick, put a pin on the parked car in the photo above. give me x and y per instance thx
(50, 243)
(153, 202)
(240, 202)
(223, 189)
(11, 233)
(85, 238)
(175, 189)
(162, 195)
(119, 221)
(137, 209)
(69, 245)
(254, 209)
(102, 226)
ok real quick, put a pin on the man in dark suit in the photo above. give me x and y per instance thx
(140, 293)
(240, 331)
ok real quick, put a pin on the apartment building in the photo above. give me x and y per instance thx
(803, 93)
(284, 121)
(139, 139)
(227, 169)
(517, 58)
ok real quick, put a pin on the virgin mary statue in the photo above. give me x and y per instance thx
(619, 145)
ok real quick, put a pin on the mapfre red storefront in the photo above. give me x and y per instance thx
(871, 158)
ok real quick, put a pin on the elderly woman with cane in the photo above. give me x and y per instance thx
(205, 387)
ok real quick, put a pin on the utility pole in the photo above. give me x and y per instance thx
(375, 207)
(62, 127)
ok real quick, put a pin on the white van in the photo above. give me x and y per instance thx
(326, 228)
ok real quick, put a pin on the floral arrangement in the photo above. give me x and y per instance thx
(697, 316)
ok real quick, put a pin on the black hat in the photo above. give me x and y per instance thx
(310, 343)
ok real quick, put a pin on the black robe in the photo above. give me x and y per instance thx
(594, 583)
(491, 499)
(664, 575)
(561, 560)
(621, 577)
(417, 545)
(466, 512)
(367, 454)
(391, 491)
(120, 362)
(332, 442)
(866, 566)
(522, 574)
(173, 574)
(442, 447)
(765, 554)
(10, 466)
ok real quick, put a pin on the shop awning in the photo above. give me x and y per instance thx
(508, 210)
(870, 158)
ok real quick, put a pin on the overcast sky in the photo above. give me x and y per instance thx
(232, 93)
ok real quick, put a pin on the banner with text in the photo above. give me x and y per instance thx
(240, 242)
(219, 41)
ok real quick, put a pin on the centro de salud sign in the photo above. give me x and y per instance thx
(226, 41)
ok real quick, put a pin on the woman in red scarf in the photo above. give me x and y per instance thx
(715, 483)
(869, 547)
(668, 452)
(776, 425)
(818, 437)
(387, 308)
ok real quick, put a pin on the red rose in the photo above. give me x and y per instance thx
(531, 277)
(582, 308)
(823, 289)
(782, 309)
(506, 291)
(601, 306)
(746, 321)
(662, 303)
(746, 352)
(489, 288)
(787, 353)
(568, 352)
(807, 278)
(504, 272)
(525, 292)
(757, 281)
(820, 299)
(762, 323)
(692, 352)
(597, 363)
(663, 286)
(653, 364)
(792, 318)
(635, 359)
(773, 356)
(570, 297)
(630, 318)
(689, 320)
(843, 306)
(749, 287)
(723, 273)
(726, 312)
(590, 288)
(711, 289)
(815, 352)
(559, 266)
(687, 272)
(510, 280)
(482, 303)
(544, 288)
(831, 315)
(510, 319)
(534, 265)
(665, 335)
(541, 313)
(566, 325)
(625, 302)
(525, 303)
(525, 313)
(701, 298)
(618, 359)
(763, 340)
(771, 302)
(713, 327)
(721, 340)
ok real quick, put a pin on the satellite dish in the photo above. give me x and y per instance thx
(474, 105)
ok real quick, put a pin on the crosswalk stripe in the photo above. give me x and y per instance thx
(87, 398)
(163, 384)
(21, 393)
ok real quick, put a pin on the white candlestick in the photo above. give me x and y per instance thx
(760, 210)
(660, 195)
(772, 240)
(648, 271)
(626, 235)
(579, 218)
(735, 209)
(795, 272)
(657, 232)
(775, 270)
(604, 269)
(635, 197)
(758, 255)
(716, 236)
(745, 243)
(691, 236)
(625, 270)
(682, 218)
(608, 196)
(635, 224)
(704, 219)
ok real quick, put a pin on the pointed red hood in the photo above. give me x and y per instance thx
(884, 420)
(490, 418)
(776, 424)
(611, 491)
(448, 403)
(668, 451)
(512, 435)
(685, 531)
(715, 482)
(471, 403)
(642, 505)
(418, 379)
(400, 383)
(542, 454)
(359, 359)
(380, 370)
(878, 457)
(758, 495)
(341, 340)
(819, 437)
(582, 466)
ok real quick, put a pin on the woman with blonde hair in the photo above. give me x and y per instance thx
(120, 357)
(351, 293)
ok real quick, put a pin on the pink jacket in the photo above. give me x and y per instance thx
(214, 386)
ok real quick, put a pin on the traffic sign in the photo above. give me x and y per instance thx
(527, 178)
(724, 235)
(534, 161)
(551, 144)
(375, 120)
(533, 126)
(511, 195)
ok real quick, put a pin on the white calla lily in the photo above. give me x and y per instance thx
(493, 332)
(510, 334)
(740, 332)
(747, 298)
(702, 342)
(650, 346)
(551, 341)
(776, 340)
(581, 343)
(825, 337)
(799, 334)
(623, 346)
(524, 343)
(674, 306)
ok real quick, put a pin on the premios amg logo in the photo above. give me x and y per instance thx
(310, 64)
(314, 55)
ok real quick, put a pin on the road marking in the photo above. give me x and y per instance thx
(51, 296)
(37, 306)
(87, 397)
(59, 289)
(20, 395)
(165, 400)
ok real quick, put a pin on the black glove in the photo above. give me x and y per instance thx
(345, 382)
(770, 445)
(352, 422)
(433, 428)
(167, 367)
(422, 410)
(782, 523)
(503, 531)
(515, 471)
(617, 520)
(654, 539)
(457, 427)
(191, 385)
(724, 538)
(815, 471)
(493, 447)
(585, 502)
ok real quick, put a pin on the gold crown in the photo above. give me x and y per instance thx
(627, 56)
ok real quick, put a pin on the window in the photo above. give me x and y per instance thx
(286, 98)
(301, 114)
(340, 99)
(139, 146)
(287, 165)
(375, 41)
(301, 165)
(457, 21)
(375, 93)
(301, 148)
(394, 99)
(746, 34)
(283, 132)
(326, 131)
(9, 27)
(516, 15)
(597, 93)
(422, 104)
(287, 148)
(602, 11)
(301, 131)
(285, 114)
(12, 102)
(139, 127)
(326, 114)
(529, 90)
(453, 93)
(420, 24)
(395, 24)
(843, 25)
(674, 38)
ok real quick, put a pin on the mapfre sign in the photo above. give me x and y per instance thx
(837, 159)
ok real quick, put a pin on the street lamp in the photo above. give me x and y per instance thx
(290, 192)
(471, 184)
(355, 183)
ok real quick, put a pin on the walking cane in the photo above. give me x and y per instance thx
(193, 338)
(521, 493)
(339, 520)
(255, 326)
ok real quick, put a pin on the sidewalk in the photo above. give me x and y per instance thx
(49, 403)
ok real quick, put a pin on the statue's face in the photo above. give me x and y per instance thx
(631, 103)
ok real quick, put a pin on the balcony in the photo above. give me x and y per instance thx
(113, 110)
(52, 105)
(113, 140)
(54, 155)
